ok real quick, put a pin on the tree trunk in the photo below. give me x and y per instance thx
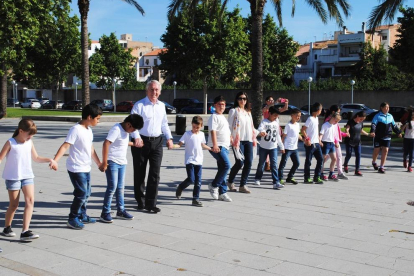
(83, 10)
(256, 9)
(3, 93)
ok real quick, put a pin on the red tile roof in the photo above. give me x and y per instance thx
(156, 52)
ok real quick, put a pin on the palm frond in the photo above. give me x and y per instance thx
(136, 5)
(385, 11)
(320, 10)
(278, 8)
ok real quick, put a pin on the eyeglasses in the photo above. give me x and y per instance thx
(242, 99)
(270, 100)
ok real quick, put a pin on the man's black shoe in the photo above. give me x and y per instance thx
(140, 207)
(153, 209)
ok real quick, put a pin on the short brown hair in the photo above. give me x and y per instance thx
(197, 120)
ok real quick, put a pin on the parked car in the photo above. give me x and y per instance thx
(43, 100)
(169, 109)
(72, 105)
(104, 104)
(290, 108)
(183, 102)
(125, 106)
(354, 107)
(396, 111)
(52, 105)
(30, 103)
(197, 108)
(10, 102)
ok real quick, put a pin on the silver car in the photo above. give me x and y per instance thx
(31, 103)
(354, 108)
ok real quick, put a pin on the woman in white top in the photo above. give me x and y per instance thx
(243, 140)
(408, 127)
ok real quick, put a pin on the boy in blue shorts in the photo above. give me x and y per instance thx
(81, 151)
(328, 144)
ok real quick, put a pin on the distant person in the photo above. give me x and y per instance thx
(312, 146)
(194, 141)
(354, 128)
(81, 153)
(114, 161)
(219, 141)
(329, 144)
(19, 152)
(269, 131)
(290, 139)
(408, 129)
(148, 146)
(243, 141)
(382, 126)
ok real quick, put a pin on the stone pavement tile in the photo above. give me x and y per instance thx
(81, 268)
(114, 229)
(385, 239)
(393, 263)
(135, 266)
(101, 241)
(8, 272)
(197, 249)
(400, 273)
(144, 251)
(156, 228)
(98, 256)
(290, 243)
(337, 232)
(353, 268)
(48, 243)
(149, 239)
(298, 257)
(292, 269)
(243, 246)
(240, 234)
(196, 236)
(407, 244)
(242, 271)
(194, 263)
(374, 248)
(37, 258)
(247, 260)
(182, 272)
(322, 238)
(344, 254)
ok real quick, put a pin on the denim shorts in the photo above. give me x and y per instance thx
(328, 147)
(379, 143)
(15, 185)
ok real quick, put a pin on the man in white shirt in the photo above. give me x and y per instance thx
(148, 146)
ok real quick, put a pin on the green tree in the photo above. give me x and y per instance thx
(110, 63)
(402, 52)
(84, 11)
(19, 28)
(332, 11)
(200, 47)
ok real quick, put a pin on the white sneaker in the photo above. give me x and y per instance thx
(257, 182)
(277, 186)
(213, 191)
(225, 197)
(342, 176)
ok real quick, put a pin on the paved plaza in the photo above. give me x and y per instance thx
(362, 226)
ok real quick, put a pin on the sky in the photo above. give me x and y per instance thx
(107, 16)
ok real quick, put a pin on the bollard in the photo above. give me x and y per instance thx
(180, 124)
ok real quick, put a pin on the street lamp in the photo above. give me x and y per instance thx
(14, 94)
(309, 82)
(114, 96)
(352, 91)
(175, 84)
(76, 91)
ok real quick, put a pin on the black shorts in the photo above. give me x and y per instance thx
(380, 143)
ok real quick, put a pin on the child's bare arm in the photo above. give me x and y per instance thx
(95, 157)
(5, 150)
(63, 148)
(204, 146)
(283, 137)
(179, 145)
(105, 150)
(213, 133)
(39, 159)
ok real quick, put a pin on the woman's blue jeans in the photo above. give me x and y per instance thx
(223, 167)
(246, 148)
(115, 178)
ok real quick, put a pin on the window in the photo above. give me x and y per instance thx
(147, 61)
(316, 57)
(384, 37)
(155, 61)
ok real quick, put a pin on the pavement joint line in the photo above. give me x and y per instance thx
(23, 268)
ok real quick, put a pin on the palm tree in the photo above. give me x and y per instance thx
(256, 9)
(386, 10)
(84, 10)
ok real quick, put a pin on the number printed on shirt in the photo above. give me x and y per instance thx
(271, 134)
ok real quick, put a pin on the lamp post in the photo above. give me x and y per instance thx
(175, 84)
(352, 91)
(76, 91)
(114, 96)
(14, 95)
(309, 82)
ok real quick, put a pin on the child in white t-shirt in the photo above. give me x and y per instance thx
(329, 142)
(312, 146)
(290, 139)
(219, 141)
(195, 142)
(114, 162)
(269, 131)
(81, 151)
